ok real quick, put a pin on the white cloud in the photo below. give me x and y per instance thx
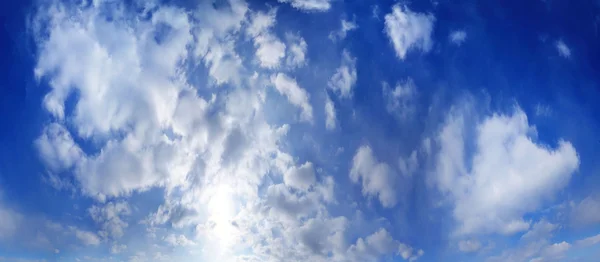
(586, 212)
(556, 250)
(330, 116)
(378, 244)
(10, 221)
(57, 149)
(225, 179)
(378, 179)
(87, 238)
(589, 241)
(178, 240)
(309, 5)
(116, 249)
(344, 78)
(494, 185)
(302, 177)
(563, 49)
(541, 229)
(400, 101)
(297, 96)
(469, 246)
(296, 52)
(109, 218)
(346, 26)
(458, 37)
(535, 245)
(408, 30)
(269, 49)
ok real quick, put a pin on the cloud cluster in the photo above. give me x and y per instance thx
(408, 30)
(494, 172)
(128, 116)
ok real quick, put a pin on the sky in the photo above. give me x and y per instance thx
(299, 130)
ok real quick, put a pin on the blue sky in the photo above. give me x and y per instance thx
(299, 130)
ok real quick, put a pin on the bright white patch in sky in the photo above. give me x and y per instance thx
(483, 200)
(458, 37)
(309, 5)
(377, 178)
(296, 51)
(297, 96)
(184, 106)
(269, 49)
(344, 78)
(330, 117)
(346, 27)
(563, 49)
(408, 30)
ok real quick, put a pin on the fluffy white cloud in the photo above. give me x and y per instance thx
(408, 30)
(589, 241)
(458, 37)
(344, 78)
(505, 176)
(296, 52)
(586, 212)
(379, 244)
(400, 101)
(309, 5)
(178, 240)
(146, 121)
(109, 218)
(330, 116)
(9, 222)
(378, 179)
(563, 49)
(57, 148)
(302, 177)
(269, 49)
(541, 229)
(297, 96)
(116, 249)
(86, 237)
(346, 26)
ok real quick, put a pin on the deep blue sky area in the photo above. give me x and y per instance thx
(300, 130)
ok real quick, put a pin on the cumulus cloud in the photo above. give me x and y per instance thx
(589, 241)
(122, 79)
(458, 37)
(381, 243)
(109, 218)
(377, 178)
(178, 240)
(346, 26)
(586, 212)
(87, 238)
(563, 49)
(297, 96)
(494, 185)
(400, 101)
(296, 52)
(269, 49)
(309, 5)
(330, 116)
(57, 148)
(302, 177)
(344, 78)
(408, 30)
